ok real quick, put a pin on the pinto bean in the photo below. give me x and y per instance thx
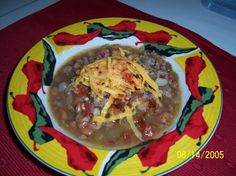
(73, 124)
(54, 91)
(63, 114)
(83, 122)
(87, 131)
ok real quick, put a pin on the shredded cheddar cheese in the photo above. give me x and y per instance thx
(117, 76)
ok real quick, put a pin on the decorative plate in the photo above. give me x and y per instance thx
(197, 121)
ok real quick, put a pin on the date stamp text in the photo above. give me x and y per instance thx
(205, 154)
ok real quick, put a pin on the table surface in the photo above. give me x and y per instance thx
(19, 37)
(14, 10)
(191, 14)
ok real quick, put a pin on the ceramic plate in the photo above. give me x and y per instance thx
(198, 118)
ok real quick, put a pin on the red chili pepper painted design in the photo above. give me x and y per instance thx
(33, 71)
(64, 38)
(197, 126)
(158, 37)
(79, 156)
(124, 25)
(193, 67)
(156, 152)
(23, 103)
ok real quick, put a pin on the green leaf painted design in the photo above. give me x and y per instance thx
(191, 106)
(42, 119)
(166, 50)
(38, 136)
(94, 26)
(49, 63)
(107, 33)
(119, 156)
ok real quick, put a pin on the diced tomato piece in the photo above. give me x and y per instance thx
(128, 77)
(152, 103)
(118, 106)
(137, 94)
(115, 109)
(127, 136)
(86, 109)
(138, 119)
(80, 90)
